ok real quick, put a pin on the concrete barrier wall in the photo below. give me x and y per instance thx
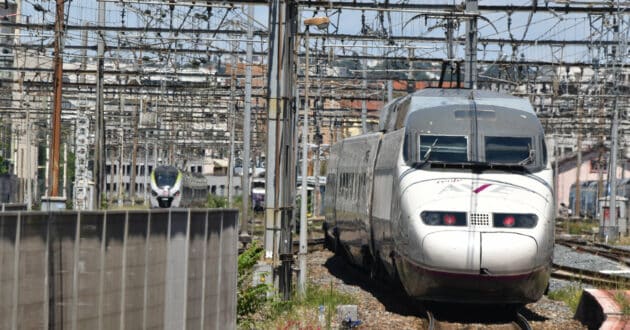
(12, 207)
(9, 188)
(154, 269)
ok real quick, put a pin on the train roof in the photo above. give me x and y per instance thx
(436, 104)
(434, 97)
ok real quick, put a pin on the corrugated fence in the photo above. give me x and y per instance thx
(151, 269)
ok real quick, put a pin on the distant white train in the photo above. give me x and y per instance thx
(453, 198)
(171, 187)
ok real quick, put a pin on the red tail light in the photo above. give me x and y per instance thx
(509, 221)
(449, 219)
(439, 218)
(514, 220)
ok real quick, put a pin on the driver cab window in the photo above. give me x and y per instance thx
(443, 148)
(508, 150)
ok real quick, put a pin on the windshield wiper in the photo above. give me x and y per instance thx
(428, 153)
(530, 158)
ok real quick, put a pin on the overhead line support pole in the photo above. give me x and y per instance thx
(471, 46)
(280, 173)
(99, 148)
(247, 124)
(303, 193)
(55, 144)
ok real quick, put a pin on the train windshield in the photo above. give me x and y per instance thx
(166, 176)
(443, 148)
(509, 150)
(258, 184)
(498, 152)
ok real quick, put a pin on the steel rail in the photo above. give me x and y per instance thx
(431, 320)
(521, 322)
(589, 276)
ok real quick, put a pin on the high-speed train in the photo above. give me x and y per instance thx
(452, 198)
(171, 187)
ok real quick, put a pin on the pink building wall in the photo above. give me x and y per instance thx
(568, 177)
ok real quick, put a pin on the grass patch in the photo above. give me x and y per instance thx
(622, 240)
(581, 227)
(301, 313)
(621, 299)
(570, 295)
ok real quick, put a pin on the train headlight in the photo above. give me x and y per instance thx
(514, 220)
(154, 193)
(439, 218)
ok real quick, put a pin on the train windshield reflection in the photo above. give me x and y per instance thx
(443, 148)
(167, 177)
(508, 150)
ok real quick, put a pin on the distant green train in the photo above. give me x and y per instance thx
(171, 187)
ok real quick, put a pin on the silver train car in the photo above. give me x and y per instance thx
(171, 187)
(452, 198)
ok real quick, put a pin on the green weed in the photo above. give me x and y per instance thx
(621, 299)
(569, 294)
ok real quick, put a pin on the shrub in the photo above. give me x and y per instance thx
(250, 298)
(216, 202)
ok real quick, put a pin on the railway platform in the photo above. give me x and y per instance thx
(604, 309)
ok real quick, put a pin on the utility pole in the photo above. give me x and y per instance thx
(321, 23)
(28, 126)
(364, 85)
(578, 186)
(471, 45)
(64, 186)
(619, 52)
(232, 120)
(317, 198)
(146, 158)
(121, 150)
(247, 125)
(280, 174)
(134, 157)
(303, 221)
(99, 148)
(411, 85)
(55, 145)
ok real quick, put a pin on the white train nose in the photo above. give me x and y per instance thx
(507, 253)
(484, 253)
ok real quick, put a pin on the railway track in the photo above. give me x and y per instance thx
(519, 322)
(604, 250)
(595, 278)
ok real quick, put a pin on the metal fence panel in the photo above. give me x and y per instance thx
(229, 270)
(213, 279)
(87, 305)
(8, 277)
(33, 273)
(135, 268)
(157, 269)
(196, 269)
